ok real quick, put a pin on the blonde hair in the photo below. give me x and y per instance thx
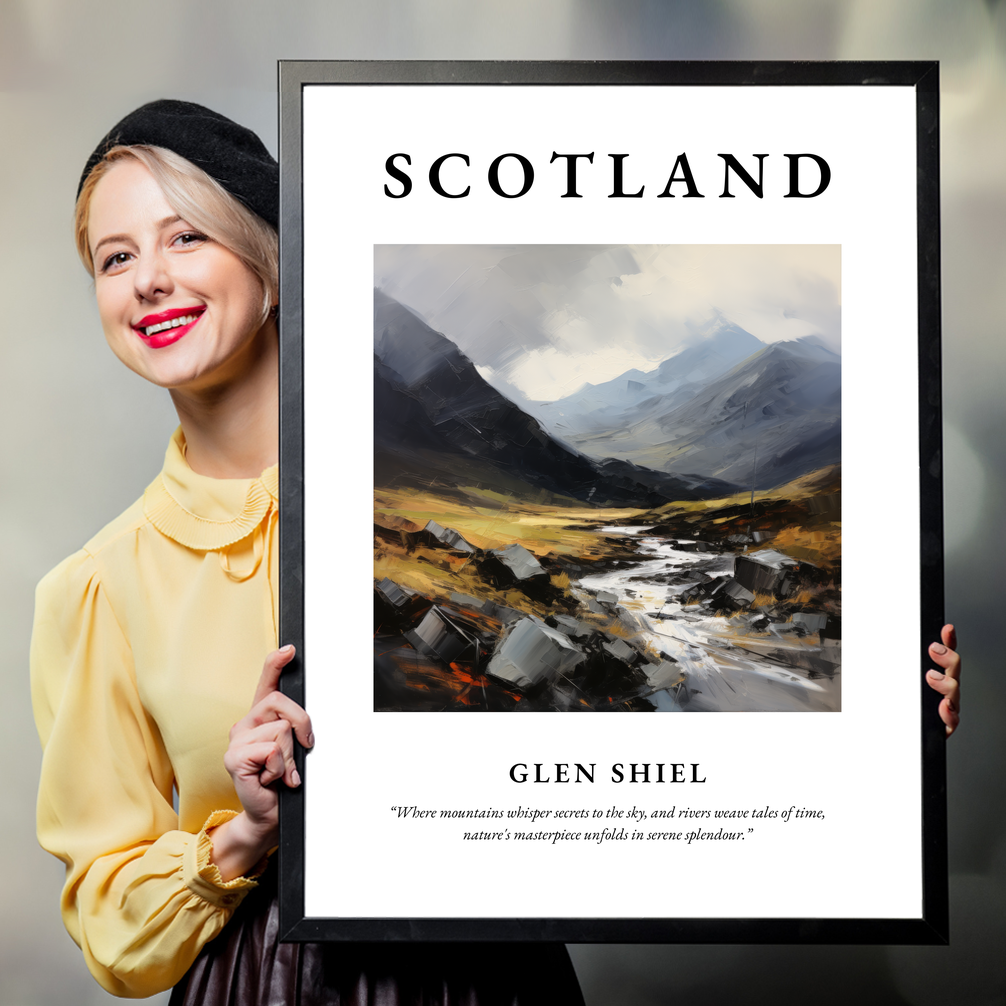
(199, 200)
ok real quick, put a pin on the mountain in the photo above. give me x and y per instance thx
(630, 397)
(771, 419)
(437, 419)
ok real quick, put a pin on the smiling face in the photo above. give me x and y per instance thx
(177, 307)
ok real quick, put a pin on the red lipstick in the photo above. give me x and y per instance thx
(166, 327)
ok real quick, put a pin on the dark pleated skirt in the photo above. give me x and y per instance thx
(246, 965)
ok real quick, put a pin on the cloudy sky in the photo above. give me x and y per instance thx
(545, 319)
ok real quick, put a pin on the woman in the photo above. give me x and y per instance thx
(149, 642)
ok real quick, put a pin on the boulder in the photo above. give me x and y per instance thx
(572, 627)
(518, 562)
(766, 572)
(396, 596)
(448, 537)
(733, 594)
(438, 635)
(666, 674)
(530, 653)
(620, 650)
(810, 621)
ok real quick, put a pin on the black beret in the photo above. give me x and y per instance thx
(231, 154)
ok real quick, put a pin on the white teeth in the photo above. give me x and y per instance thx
(173, 323)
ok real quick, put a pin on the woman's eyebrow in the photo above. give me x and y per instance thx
(109, 240)
(160, 225)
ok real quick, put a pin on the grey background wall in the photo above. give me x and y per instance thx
(81, 437)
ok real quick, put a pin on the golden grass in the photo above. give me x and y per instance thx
(415, 570)
(812, 484)
(492, 521)
(821, 547)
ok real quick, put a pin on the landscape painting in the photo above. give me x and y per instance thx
(607, 478)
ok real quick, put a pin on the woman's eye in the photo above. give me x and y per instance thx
(114, 261)
(190, 238)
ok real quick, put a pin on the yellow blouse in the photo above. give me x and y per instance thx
(147, 647)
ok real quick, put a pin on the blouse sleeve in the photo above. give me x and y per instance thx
(141, 898)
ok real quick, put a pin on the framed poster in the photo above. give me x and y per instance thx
(611, 391)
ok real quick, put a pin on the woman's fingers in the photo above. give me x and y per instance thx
(949, 660)
(946, 681)
(277, 706)
(270, 703)
(260, 761)
(949, 712)
(258, 765)
(261, 749)
(949, 636)
(949, 688)
(278, 735)
(271, 671)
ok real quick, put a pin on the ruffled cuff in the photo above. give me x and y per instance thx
(203, 878)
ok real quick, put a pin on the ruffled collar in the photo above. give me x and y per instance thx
(203, 513)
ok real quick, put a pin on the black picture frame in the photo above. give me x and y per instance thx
(932, 925)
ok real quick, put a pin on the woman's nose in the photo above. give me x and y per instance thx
(152, 277)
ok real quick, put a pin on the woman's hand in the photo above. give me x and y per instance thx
(260, 753)
(947, 682)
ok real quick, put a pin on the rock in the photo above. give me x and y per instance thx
(573, 627)
(530, 652)
(448, 536)
(395, 595)
(691, 592)
(438, 635)
(518, 562)
(621, 650)
(606, 597)
(666, 674)
(630, 620)
(501, 612)
(397, 607)
(810, 621)
(733, 594)
(766, 572)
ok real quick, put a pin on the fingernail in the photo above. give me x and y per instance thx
(936, 675)
(310, 740)
(295, 777)
(938, 648)
(287, 649)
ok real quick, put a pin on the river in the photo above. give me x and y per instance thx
(728, 666)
